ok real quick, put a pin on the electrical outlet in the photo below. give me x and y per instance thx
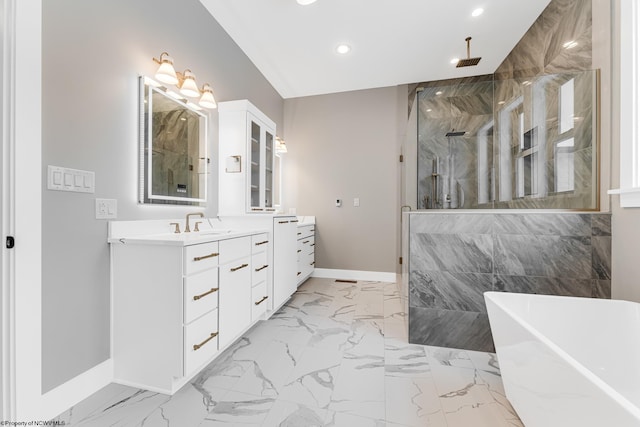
(106, 208)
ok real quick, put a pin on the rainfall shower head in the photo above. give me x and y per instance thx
(469, 61)
(454, 133)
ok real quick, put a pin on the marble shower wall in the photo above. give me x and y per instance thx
(449, 169)
(484, 165)
(455, 257)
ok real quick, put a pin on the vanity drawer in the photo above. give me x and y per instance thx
(200, 257)
(259, 243)
(200, 341)
(259, 301)
(306, 231)
(233, 249)
(259, 268)
(200, 294)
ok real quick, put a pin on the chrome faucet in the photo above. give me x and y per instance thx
(186, 222)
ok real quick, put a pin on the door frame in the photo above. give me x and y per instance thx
(21, 209)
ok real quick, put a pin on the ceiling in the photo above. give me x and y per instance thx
(392, 41)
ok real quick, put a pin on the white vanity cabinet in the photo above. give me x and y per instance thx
(260, 272)
(246, 159)
(306, 251)
(177, 304)
(284, 255)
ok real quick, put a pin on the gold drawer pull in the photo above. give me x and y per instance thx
(256, 209)
(299, 234)
(299, 250)
(313, 229)
(313, 244)
(294, 220)
(305, 242)
(283, 222)
(262, 268)
(313, 263)
(262, 243)
(238, 268)
(199, 346)
(211, 255)
(197, 297)
(261, 301)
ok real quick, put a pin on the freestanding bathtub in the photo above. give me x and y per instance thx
(568, 361)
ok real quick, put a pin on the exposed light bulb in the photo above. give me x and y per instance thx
(343, 49)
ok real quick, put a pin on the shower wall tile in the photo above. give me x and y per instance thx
(601, 257)
(452, 329)
(548, 256)
(452, 224)
(602, 289)
(601, 225)
(450, 291)
(464, 253)
(543, 224)
(455, 257)
(544, 285)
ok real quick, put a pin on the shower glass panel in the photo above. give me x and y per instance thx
(517, 143)
(455, 145)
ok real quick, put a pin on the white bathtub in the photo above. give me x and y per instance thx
(568, 361)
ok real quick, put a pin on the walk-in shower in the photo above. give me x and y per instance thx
(519, 143)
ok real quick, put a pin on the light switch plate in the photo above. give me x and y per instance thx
(106, 208)
(74, 180)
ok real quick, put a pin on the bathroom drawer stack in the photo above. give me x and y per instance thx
(179, 306)
(260, 273)
(200, 284)
(306, 251)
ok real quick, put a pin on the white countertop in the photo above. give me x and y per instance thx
(185, 239)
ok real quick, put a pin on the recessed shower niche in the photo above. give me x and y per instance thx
(520, 143)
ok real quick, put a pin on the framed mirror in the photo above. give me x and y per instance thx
(173, 147)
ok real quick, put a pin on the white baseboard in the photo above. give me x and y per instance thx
(374, 276)
(76, 390)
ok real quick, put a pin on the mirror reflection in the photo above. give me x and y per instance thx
(173, 147)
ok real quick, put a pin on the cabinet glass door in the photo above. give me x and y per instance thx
(268, 175)
(254, 171)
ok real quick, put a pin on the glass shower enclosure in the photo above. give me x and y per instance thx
(522, 143)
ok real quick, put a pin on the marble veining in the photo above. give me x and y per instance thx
(299, 369)
(527, 252)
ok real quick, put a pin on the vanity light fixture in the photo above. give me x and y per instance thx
(305, 2)
(188, 86)
(166, 73)
(207, 100)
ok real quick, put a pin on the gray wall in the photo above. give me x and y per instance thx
(344, 146)
(93, 53)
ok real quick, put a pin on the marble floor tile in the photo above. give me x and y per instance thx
(337, 354)
(288, 414)
(340, 419)
(239, 408)
(359, 388)
(421, 405)
(187, 408)
(312, 381)
(128, 409)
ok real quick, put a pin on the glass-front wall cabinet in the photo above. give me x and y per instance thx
(261, 151)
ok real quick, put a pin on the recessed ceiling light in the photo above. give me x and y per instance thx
(305, 2)
(526, 83)
(343, 48)
(455, 60)
(429, 110)
(479, 11)
(570, 44)
(439, 93)
(501, 103)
